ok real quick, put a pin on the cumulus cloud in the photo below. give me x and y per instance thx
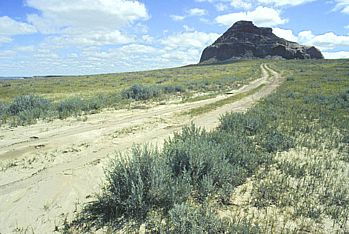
(262, 16)
(285, 33)
(95, 39)
(189, 40)
(326, 41)
(248, 4)
(305, 36)
(85, 15)
(241, 4)
(5, 39)
(86, 22)
(196, 12)
(177, 17)
(10, 27)
(221, 6)
(189, 13)
(342, 5)
(285, 2)
(336, 55)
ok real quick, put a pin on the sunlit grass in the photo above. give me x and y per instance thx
(281, 167)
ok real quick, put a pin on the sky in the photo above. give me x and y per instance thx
(76, 37)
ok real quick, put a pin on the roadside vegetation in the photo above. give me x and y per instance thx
(281, 167)
(25, 101)
(220, 103)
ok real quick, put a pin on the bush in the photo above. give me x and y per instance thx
(27, 109)
(134, 185)
(240, 123)
(241, 151)
(3, 112)
(3, 109)
(193, 166)
(173, 89)
(273, 141)
(186, 219)
(28, 103)
(69, 107)
(140, 92)
(203, 160)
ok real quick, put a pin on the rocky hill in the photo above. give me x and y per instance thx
(244, 40)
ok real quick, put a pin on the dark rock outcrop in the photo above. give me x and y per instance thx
(245, 40)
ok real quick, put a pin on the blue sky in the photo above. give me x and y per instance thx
(43, 37)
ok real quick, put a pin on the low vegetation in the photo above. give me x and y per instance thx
(281, 167)
(220, 103)
(62, 97)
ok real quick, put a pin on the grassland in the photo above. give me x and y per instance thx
(25, 101)
(281, 167)
(215, 105)
(206, 78)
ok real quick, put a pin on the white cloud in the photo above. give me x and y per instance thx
(10, 27)
(189, 40)
(327, 41)
(305, 36)
(261, 16)
(177, 17)
(7, 53)
(25, 49)
(285, 33)
(86, 22)
(241, 4)
(196, 12)
(342, 5)
(285, 2)
(94, 39)
(148, 38)
(336, 55)
(188, 28)
(205, 1)
(5, 39)
(189, 13)
(85, 15)
(221, 6)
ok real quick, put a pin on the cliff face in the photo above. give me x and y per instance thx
(245, 40)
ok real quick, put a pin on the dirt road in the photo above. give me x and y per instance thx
(48, 168)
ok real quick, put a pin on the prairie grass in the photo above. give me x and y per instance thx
(220, 103)
(281, 167)
(75, 96)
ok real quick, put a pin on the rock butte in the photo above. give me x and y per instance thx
(244, 40)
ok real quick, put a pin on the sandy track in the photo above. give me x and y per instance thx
(55, 165)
